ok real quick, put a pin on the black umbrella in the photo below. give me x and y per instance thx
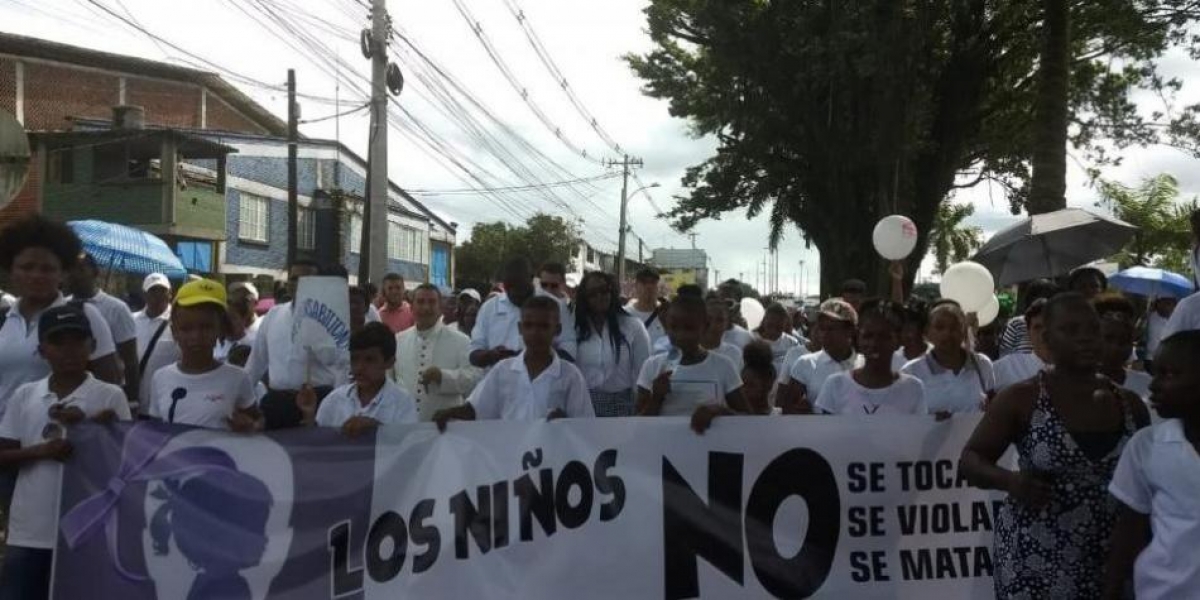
(1052, 244)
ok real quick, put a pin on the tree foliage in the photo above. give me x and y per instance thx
(831, 115)
(950, 240)
(544, 238)
(1163, 238)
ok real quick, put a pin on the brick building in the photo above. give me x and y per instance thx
(54, 89)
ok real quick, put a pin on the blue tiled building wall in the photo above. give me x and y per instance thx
(273, 172)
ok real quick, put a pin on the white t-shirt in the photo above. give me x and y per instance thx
(145, 327)
(116, 313)
(1159, 475)
(733, 353)
(1016, 368)
(842, 395)
(1156, 324)
(947, 391)
(33, 518)
(20, 362)
(655, 329)
(784, 375)
(391, 405)
(221, 350)
(706, 382)
(203, 400)
(1185, 318)
(811, 371)
(507, 392)
(738, 336)
(1138, 382)
(780, 349)
(899, 359)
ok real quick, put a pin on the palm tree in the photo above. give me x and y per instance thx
(950, 240)
(1163, 237)
(1052, 114)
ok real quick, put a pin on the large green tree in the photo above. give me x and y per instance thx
(831, 115)
(544, 238)
(1163, 238)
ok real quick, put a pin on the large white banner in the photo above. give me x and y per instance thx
(758, 507)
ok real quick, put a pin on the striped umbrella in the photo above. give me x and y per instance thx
(127, 250)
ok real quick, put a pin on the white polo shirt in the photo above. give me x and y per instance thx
(1159, 475)
(202, 400)
(33, 518)
(508, 393)
(117, 314)
(1185, 318)
(20, 362)
(811, 370)
(390, 405)
(738, 336)
(496, 325)
(842, 395)
(947, 391)
(706, 382)
(655, 329)
(1016, 368)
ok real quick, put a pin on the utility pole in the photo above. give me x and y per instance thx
(293, 206)
(693, 236)
(625, 163)
(373, 255)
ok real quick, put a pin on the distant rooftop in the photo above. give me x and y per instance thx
(683, 258)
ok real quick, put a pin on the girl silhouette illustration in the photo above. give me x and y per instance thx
(216, 514)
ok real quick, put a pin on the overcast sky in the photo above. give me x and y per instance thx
(584, 38)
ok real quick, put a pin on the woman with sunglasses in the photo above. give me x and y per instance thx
(613, 345)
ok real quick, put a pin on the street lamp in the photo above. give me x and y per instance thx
(621, 238)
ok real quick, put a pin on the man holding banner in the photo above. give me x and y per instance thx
(496, 336)
(289, 366)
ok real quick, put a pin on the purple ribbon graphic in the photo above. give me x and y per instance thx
(139, 463)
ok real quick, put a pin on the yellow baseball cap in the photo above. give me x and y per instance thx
(201, 291)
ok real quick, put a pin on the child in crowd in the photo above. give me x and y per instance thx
(956, 379)
(758, 377)
(874, 387)
(912, 335)
(675, 384)
(800, 385)
(535, 384)
(1156, 483)
(1118, 328)
(32, 439)
(372, 399)
(199, 390)
(774, 331)
(718, 324)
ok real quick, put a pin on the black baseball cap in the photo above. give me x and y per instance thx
(63, 318)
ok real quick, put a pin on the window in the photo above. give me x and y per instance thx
(306, 229)
(407, 243)
(254, 213)
(396, 235)
(355, 237)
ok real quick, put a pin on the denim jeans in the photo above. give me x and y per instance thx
(26, 573)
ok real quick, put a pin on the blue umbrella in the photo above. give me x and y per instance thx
(128, 250)
(1145, 281)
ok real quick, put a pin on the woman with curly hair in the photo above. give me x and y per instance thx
(613, 344)
(36, 254)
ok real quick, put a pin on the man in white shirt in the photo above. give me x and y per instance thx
(1021, 366)
(552, 281)
(431, 357)
(496, 336)
(272, 358)
(1156, 323)
(243, 319)
(1185, 318)
(82, 284)
(535, 384)
(155, 346)
(836, 324)
(647, 306)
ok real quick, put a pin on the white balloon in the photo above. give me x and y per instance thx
(970, 284)
(753, 312)
(989, 312)
(894, 237)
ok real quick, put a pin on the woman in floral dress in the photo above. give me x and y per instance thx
(1069, 425)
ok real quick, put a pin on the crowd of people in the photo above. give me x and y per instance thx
(1103, 495)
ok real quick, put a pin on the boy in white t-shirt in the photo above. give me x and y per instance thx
(33, 439)
(199, 390)
(1156, 482)
(372, 399)
(688, 377)
(535, 384)
(874, 388)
